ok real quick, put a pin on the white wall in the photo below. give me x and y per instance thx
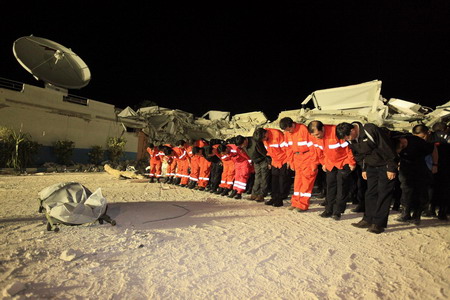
(47, 118)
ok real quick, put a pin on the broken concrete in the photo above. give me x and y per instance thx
(361, 102)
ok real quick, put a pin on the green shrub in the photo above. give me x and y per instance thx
(96, 155)
(63, 151)
(17, 150)
(115, 148)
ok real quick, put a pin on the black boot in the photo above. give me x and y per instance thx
(430, 211)
(192, 184)
(219, 191)
(225, 192)
(278, 203)
(169, 180)
(358, 208)
(233, 193)
(270, 202)
(152, 179)
(416, 217)
(176, 181)
(326, 214)
(443, 212)
(405, 216)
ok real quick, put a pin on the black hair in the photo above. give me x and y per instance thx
(259, 134)
(196, 150)
(167, 150)
(343, 129)
(221, 148)
(180, 143)
(286, 122)
(421, 128)
(239, 140)
(151, 145)
(215, 142)
(315, 125)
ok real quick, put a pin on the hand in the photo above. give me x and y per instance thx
(324, 168)
(364, 175)
(391, 175)
(352, 168)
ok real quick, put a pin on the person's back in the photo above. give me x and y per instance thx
(372, 147)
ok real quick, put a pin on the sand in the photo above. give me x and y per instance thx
(175, 243)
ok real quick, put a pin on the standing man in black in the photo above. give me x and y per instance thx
(373, 150)
(258, 154)
(414, 175)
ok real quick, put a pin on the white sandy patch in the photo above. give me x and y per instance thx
(175, 243)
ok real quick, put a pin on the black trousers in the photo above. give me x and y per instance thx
(337, 189)
(216, 175)
(378, 196)
(261, 183)
(281, 183)
(442, 192)
(414, 184)
(361, 187)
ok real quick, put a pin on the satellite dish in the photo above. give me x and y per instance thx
(51, 62)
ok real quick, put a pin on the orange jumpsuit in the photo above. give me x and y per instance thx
(155, 162)
(242, 166)
(205, 171)
(195, 161)
(227, 179)
(276, 147)
(303, 157)
(195, 167)
(182, 165)
(333, 152)
(171, 163)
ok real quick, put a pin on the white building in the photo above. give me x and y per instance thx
(49, 115)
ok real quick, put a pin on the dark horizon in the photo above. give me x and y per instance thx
(243, 58)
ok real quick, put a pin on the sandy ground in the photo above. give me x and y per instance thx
(175, 243)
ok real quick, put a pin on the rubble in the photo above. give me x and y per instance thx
(166, 125)
(361, 102)
(13, 289)
(125, 174)
(70, 255)
(364, 102)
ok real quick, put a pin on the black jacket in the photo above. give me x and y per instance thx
(374, 148)
(256, 151)
(413, 156)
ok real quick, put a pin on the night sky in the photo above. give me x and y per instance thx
(242, 57)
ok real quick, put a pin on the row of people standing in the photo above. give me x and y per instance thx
(271, 155)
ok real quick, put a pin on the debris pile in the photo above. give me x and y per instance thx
(361, 102)
(166, 125)
(364, 102)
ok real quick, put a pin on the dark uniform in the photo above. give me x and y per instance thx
(258, 154)
(441, 186)
(373, 150)
(216, 168)
(415, 177)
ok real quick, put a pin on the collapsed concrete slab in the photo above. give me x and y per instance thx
(361, 102)
(166, 125)
(364, 102)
